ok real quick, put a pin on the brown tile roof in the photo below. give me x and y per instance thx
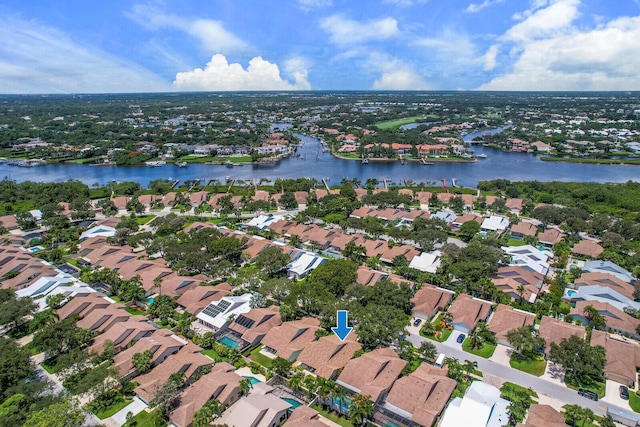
(544, 416)
(606, 280)
(372, 373)
(423, 393)
(617, 320)
(9, 222)
(160, 343)
(587, 248)
(508, 279)
(524, 228)
(263, 319)
(123, 333)
(121, 201)
(550, 236)
(199, 297)
(303, 416)
(429, 299)
(83, 304)
(290, 338)
(623, 357)
(507, 318)
(554, 330)
(329, 354)
(468, 217)
(369, 277)
(469, 311)
(514, 204)
(187, 361)
(101, 319)
(254, 246)
(222, 383)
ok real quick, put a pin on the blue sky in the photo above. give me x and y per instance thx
(77, 46)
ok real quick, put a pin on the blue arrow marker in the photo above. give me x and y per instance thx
(342, 328)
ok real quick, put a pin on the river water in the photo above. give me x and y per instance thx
(316, 164)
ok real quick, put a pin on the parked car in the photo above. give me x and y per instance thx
(417, 322)
(460, 338)
(588, 394)
(624, 392)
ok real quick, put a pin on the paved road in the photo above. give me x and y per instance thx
(451, 349)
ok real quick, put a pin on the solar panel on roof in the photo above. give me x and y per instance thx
(244, 321)
(214, 310)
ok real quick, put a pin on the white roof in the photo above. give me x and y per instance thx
(529, 257)
(305, 263)
(481, 406)
(100, 230)
(36, 213)
(495, 223)
(256, 410)
(607, 267)
(426, 261)
(217, 312)
(603, 294)
(62, 283)
(446, 216)
(262, 221)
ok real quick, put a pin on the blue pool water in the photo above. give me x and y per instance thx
(35, 249)
(253, 380)
(292, 402)
(570, 293)
(150, 300)
(228, 342)
(343, 403)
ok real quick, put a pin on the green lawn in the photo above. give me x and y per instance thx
(529, 391)
(516, 242)
(135, 311)
(392, 124)
(534, 367)
(143, 219)
(261, 358)
(112, 410)
(485, 351)
(212, 354)
(333, 417)
(634, 401)
(49, 368)
(146, 419)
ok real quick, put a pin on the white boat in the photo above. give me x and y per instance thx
(156, 164)
(228, 164)
(365, 161)
(181, 164)
(481, 156)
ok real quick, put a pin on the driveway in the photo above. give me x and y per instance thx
(542, 386)
(502, 355)
(120, 417)
(452, 340)
(612, 395)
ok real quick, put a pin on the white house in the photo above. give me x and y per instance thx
(446, 216)
(426, 261)
(602, 294)
(215, 316)
(101, 230)
(481, 406)
(62, 283)
(304, 264)
(529, 257)
(263, 221)
(495, 223)
(608, 267)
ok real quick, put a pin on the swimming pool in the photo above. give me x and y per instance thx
(253, 380)
(570, 292)
(294, 403)
(228, 342)
(150, 300)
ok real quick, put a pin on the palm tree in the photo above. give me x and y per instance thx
(521, 290)
(338, 396)
(295, 382)
(310, 384)
(205, 415)
(429, 329)
(157, 284)
(245, 386)
(469, 367)
(360, 409)
(428, 350)
(325, 388)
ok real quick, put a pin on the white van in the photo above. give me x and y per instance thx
(440, 360)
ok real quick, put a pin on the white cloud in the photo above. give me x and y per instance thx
(489, 58)
(405, 3)
(544, 22)
(603, 58)
(477, 7)
(343, 31)
(314, 4)
(450, 48)
(39, 59)
(219, 75)
(211, 34)
(395, 74)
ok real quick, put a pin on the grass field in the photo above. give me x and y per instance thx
(529, 391)
(135, 312)
(333, 417)
(260, 358)
(146, 419)
(212, 354)
(393, 124)
(143, 219)
(634, 401)
(486, 351)
(534, 367)
(112, 410)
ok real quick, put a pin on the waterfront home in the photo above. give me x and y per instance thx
(507, 318)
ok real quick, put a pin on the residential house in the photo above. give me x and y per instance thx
(616, 319)
(60, 284)
(518, 282)
(522, 229)
(481, 406)
(290, 338)
(507, 318)
(373, 373)
(543, 416)
(215, 316)
(101, 319)
(162, 343)
(607, 280)
(429, 299)
(9, 222)
(602, 294)
(608, 267)
(550, 237)
(304, 416)
(122, 334)
(466, 218)
(328, 355)
(495, 223)
(514, 205)
(467, 311)
(100, 230)
(369, 277)
(222, 384)
(189, 361)
(197, 298)
(622, 357)
(248, 329)
(83, 304)
(588, 249)
(303, 265)
(420, 396)
(555, 330)
(428, 262)
(256, 410)
(529, 257)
